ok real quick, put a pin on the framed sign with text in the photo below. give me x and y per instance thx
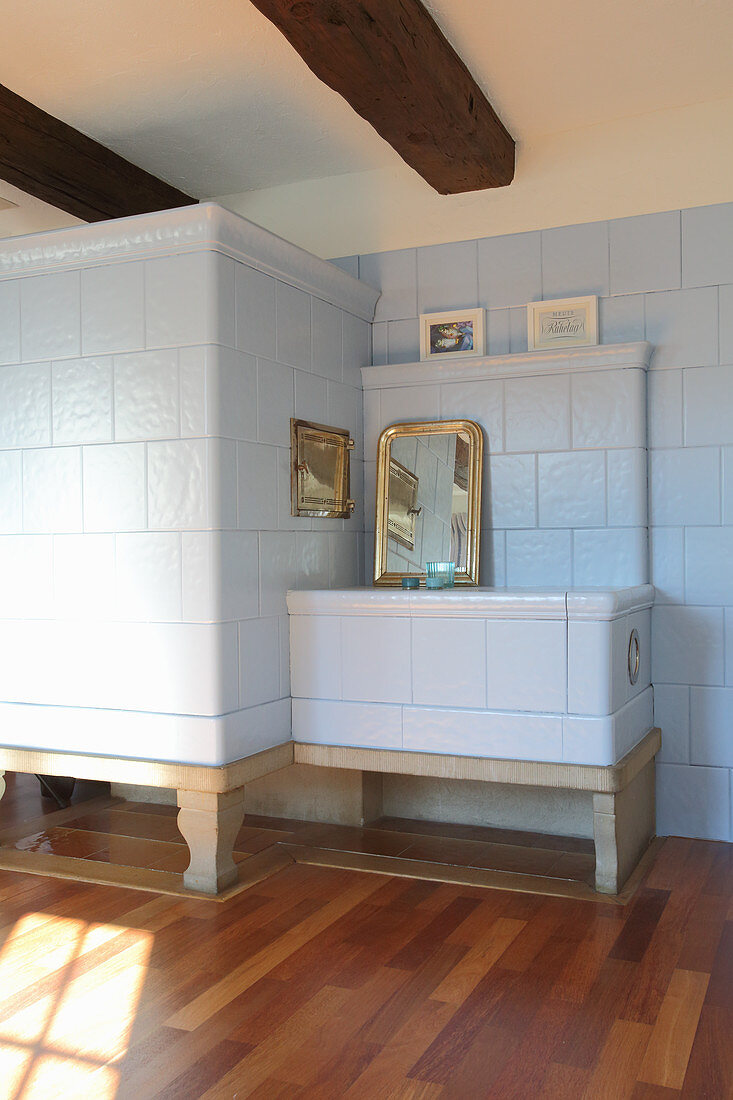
(562, 323)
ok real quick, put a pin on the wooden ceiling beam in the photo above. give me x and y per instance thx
(52, 161)
(393, 64)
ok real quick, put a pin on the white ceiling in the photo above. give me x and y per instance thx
(208, 95)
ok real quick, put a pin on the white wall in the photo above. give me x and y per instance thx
(666, 278)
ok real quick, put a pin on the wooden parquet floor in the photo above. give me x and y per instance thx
(323, 982)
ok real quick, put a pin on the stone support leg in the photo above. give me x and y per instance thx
(209, 824)
(2, 783)
(623, 827)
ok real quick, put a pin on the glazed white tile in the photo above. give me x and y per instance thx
(278, 570)
(509, 490)
(114, 487)
(449, 662)
(26, 576)
(82, 400)
(372, 423)
(479, 401)
(148, 576)
(285, 521)
(343, 559)
(693, 801)
(572, 489)
(25, 405)
(685, 487)
(539, 558)
(596, 670)
(375, 655)
(627, 488)
(478, 733)
(641, 621)
(711, 721)
(380, 356)
(727, 454)
(687, 645)
(708, 404)
(536, 681)
(113, 308)
(221, 469)
(621, 319)
(408, 403)
(220, 575)
(327, 722)
(606, 740)
(609, 408)
(255, 310)
(312, 558)
(9, 322)
(612, 556)
(709, 565)
(189, 300)
(50, 316)
(257, 487)
(178, 485)
(672, 715)
(667, 561)
(729, 646)
(682, 325)
(315, 655)
(311, 398)
(146, 395)
(493, 558)
(345, 411)
(293, 326)
(357, 349)
(52, 490)
(84, 576)
(11, 483)
(327, 340)
(275, 402)
(284, 644)
(259, 661)
(537, 414)
(665, 408)
(231, 388)
(194, 380)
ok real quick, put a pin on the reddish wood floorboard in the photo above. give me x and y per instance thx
(323, 983)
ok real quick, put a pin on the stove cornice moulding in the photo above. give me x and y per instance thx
(559, 361)
(206, 227)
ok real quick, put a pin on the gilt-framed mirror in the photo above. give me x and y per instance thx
(428, 500)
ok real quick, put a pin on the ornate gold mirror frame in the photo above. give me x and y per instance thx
(417, 493)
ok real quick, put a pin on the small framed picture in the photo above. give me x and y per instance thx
(562, 323)
(452, 335)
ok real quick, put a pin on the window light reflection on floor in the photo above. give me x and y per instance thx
(64, 1030)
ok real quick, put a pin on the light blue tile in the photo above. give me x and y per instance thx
(729, 646)
(687, 645)
(645, 253)
(293, 326)
(572, 489)
(498, 335)
(379, 344)
(326, 340)
(709, 565)
(627, 488)
(664, 395)
(711, 725)
(725, 301)
(509, 489)
(728, 485)
(10, 322)
(685, 487)
(518, 330)
(403, 341)
(537, 413)
(357, 348)
(683, 327)
(349, 264)
(707, 245)
(575, 260)
(621, 319)
(493, 558)
(447, 277)
(672, 715)
(538, 558)
(708, 393)
(395, 274)
(254, 302)
(610, 556)
(510, 270)
(667, 558)
(693, 801)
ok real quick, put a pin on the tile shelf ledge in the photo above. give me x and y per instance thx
(571, 604)
(520, 365)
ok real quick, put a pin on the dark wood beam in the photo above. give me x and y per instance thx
(54, 162)
(392, 63)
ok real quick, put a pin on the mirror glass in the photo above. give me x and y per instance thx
(428, 499)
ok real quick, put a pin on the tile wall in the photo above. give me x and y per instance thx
(146, 541)
(666, 278)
